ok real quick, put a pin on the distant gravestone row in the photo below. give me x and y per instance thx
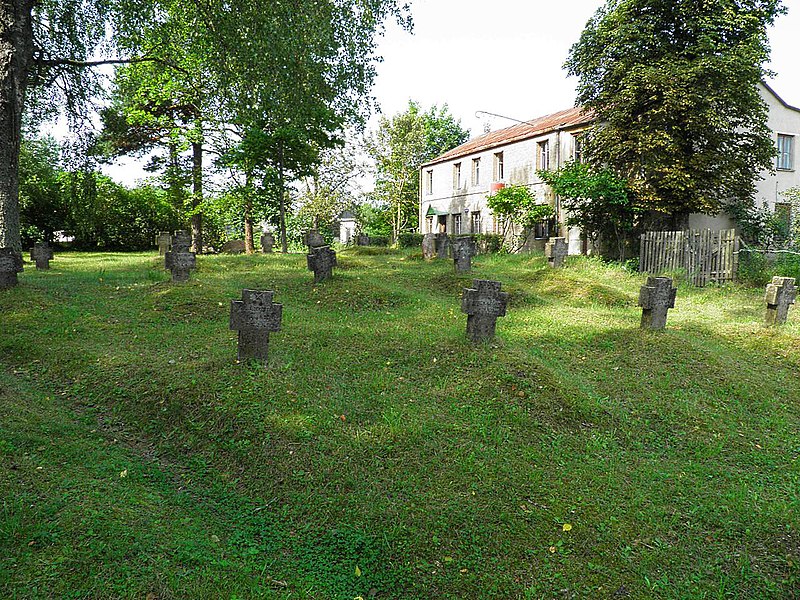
(179, 261)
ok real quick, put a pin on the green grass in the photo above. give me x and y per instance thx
(379, 454)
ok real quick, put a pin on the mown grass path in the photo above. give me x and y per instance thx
(379, 454)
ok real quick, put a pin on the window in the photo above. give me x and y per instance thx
(476, 171)
(429, 182)
(457, 176)
(499, 174)
(456, 223)
(544, 155)
(785, 152)
(475, 222)
(429, 224)
(577, 148)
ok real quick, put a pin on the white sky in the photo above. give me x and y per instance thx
(506, 57)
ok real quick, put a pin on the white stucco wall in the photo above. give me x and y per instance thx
(785, 121)
(520, 161)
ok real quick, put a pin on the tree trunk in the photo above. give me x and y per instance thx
(249, 245)
(282, 200)
(197, 196)
(16, 57)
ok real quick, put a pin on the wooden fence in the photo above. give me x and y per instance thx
(705, 255)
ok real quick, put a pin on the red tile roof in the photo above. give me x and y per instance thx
(566, 118)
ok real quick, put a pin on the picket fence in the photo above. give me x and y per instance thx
(704, 255)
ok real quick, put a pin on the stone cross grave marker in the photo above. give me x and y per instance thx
(556, 251)
(429, 246)
(10, 265)
(483, 303)
(179, 261)
(362, 240)
(254, 317)
(781, 294)
(41, 254)
(464, 248)
(313, 239)
(267, 242)
(442, 245)
(163, 241)
(656, 297)
(321, 260)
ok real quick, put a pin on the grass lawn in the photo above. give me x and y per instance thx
(379, 454)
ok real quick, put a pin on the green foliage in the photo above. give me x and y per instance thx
(374, 219)
(409, 240)
(757, 266)
(489, 243)
(675, 89)
(596, 200)
(399, 147)
(518, 204)
(43, 208)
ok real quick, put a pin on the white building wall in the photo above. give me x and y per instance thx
(782, 120)
(520, 160)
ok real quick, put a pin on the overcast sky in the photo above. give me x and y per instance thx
(506, 57)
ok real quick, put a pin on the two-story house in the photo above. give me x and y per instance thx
(455, 185)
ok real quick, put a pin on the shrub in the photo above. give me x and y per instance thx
(378, 240)
(757, 267)
(489, 243)
(409, 240)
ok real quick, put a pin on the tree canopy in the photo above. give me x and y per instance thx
(674, 85)
(399, 147)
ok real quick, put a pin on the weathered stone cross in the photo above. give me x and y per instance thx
(442, 245)
(429, 246)
(464, 248)
(254, 317)
(313, 239)
(321, 260)
(781, 293)
(267, 242)
(10, 265)
(656, 297)
(163, 241)
(41, 254)
(483, 303)
(556, 251)
(179, 261)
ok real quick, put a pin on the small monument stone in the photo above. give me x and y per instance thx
(179, 261)
(10, 265)
(442, 245)
(321, 260)
(41, 254)
(313, 239)
(483, 303)
(429, 246)
(556, 251)
(656, 297)
(464, 248)
(781, 294)
(163, 241)
(267, 242)
(362, 240)
(254, 317)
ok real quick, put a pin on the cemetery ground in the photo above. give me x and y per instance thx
(379, 453)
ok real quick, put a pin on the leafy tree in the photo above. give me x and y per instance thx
(597, 201)
(399, 147)
(674, 86)
(43, 208)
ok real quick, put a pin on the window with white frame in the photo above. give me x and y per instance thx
(456, 223)
(475, 223)
(544, 155)
(457, 176)
(429, 182)
(577, 147)
(476, 171)
(785, 152)
(499, 173)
